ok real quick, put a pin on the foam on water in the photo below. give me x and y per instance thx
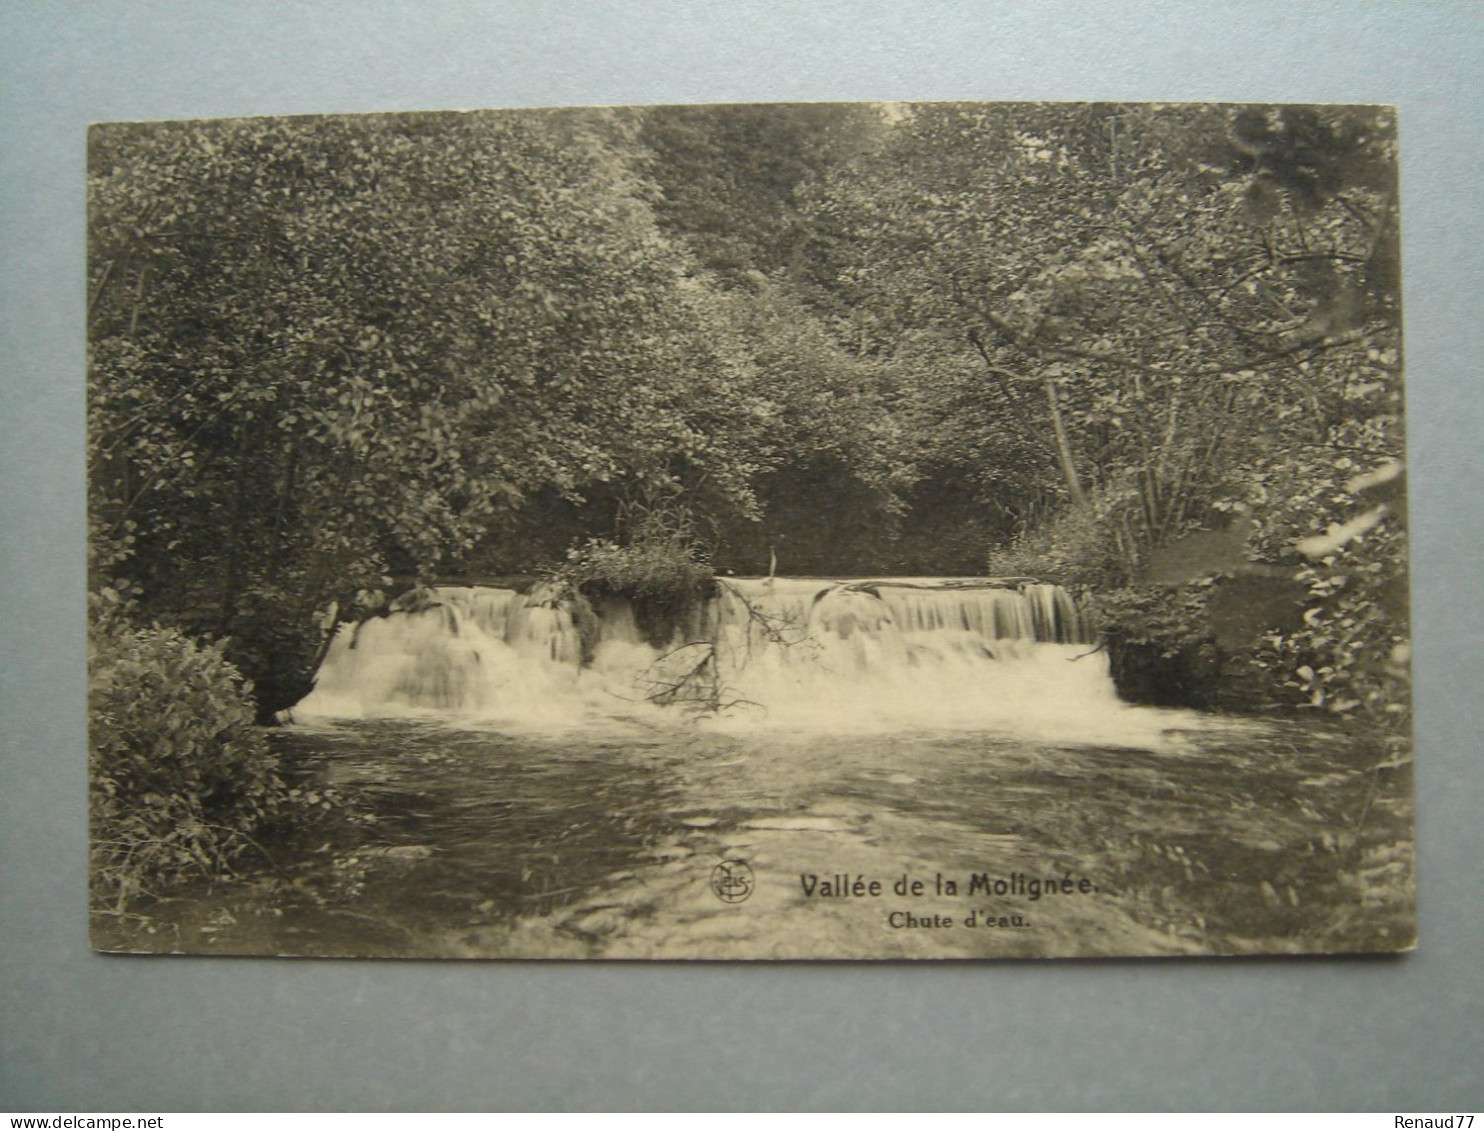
(787, 654)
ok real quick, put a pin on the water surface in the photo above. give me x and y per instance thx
(1216, 836)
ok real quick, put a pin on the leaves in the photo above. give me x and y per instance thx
(180, 778)
(332, 349)
(340, 354)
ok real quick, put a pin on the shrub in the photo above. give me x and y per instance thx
(179, 776)
(1352, 653)
(651, 569)
(1172, 620)
(1350, 656)
(1160, 644)
(658, 563)
(1076, 546)
(662, 579)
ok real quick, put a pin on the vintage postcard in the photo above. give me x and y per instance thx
(840, 531)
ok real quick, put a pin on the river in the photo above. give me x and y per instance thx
(1225, 835)
(805, 768)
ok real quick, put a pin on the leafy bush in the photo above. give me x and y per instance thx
(179, 776)
(1160, 644)
(652, 569)
(658, 564)
(1351, 655)
(657, 557)
(661, 577)
(1077, 546)
(1171, 620)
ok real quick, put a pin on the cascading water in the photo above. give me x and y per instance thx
(789, 652)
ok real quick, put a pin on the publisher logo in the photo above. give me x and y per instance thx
(732, 881)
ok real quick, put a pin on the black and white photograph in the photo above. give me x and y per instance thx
(874, 530)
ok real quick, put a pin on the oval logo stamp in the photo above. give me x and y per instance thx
(732, 881)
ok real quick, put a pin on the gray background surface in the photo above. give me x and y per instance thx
(83, 1032)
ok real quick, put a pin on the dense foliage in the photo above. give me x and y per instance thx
(180, 776)
(334, 357)
(337, 354)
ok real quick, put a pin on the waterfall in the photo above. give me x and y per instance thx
(792, 652)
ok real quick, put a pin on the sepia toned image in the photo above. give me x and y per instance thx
(844, 531)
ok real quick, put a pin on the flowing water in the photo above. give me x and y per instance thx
(894, 768)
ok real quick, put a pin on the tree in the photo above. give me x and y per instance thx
(1180, 287)
(329, 352)
(331, 356)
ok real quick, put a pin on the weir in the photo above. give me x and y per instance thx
(800, 653)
